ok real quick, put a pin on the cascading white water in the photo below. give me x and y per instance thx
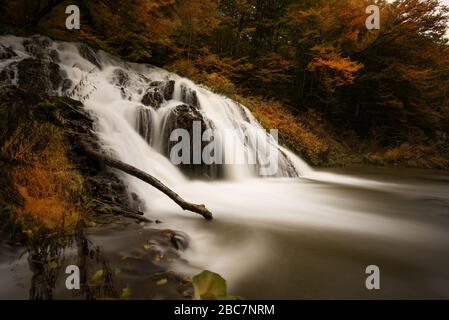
(114, 90)
(249, 211)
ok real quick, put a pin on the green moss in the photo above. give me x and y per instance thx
(47, 106)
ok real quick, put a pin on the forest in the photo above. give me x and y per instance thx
(338, 92)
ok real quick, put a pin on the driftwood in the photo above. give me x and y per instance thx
(133, 171)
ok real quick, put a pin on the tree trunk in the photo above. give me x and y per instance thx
(197, 208)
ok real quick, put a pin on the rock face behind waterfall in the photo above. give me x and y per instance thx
(35, 75)
(183, 117)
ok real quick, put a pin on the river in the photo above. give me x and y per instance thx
(314, 237)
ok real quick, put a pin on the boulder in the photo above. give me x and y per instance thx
(183, 117)
(153, 98)
(39, 76)
(34, 76)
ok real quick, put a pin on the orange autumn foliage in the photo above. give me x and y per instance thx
(51, 187)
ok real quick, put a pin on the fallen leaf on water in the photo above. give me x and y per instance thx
(162, 282)
(96, 277)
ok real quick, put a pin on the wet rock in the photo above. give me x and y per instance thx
(89, 54)
(169, 90)
(179, 240)
(120, 77)
(153, 98)
(184, 117)
(66, 84)
(36, 76)
(37, 46)
(54, 56)
(6, 53)
(189, 96)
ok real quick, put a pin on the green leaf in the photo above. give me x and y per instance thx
(209, 286)
(126, 293)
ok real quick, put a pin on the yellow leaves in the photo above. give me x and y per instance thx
(273, 67)
(46, 180)
(52, 264)
(162, 282)
(302, 134)
(209, 69)
(96, 278)
(334, 70)
(148, 246)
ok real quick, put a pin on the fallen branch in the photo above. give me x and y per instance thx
(133, 171)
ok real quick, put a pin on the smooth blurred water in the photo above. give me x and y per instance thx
(314, 237)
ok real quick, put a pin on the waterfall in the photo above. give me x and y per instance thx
(138, 106)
